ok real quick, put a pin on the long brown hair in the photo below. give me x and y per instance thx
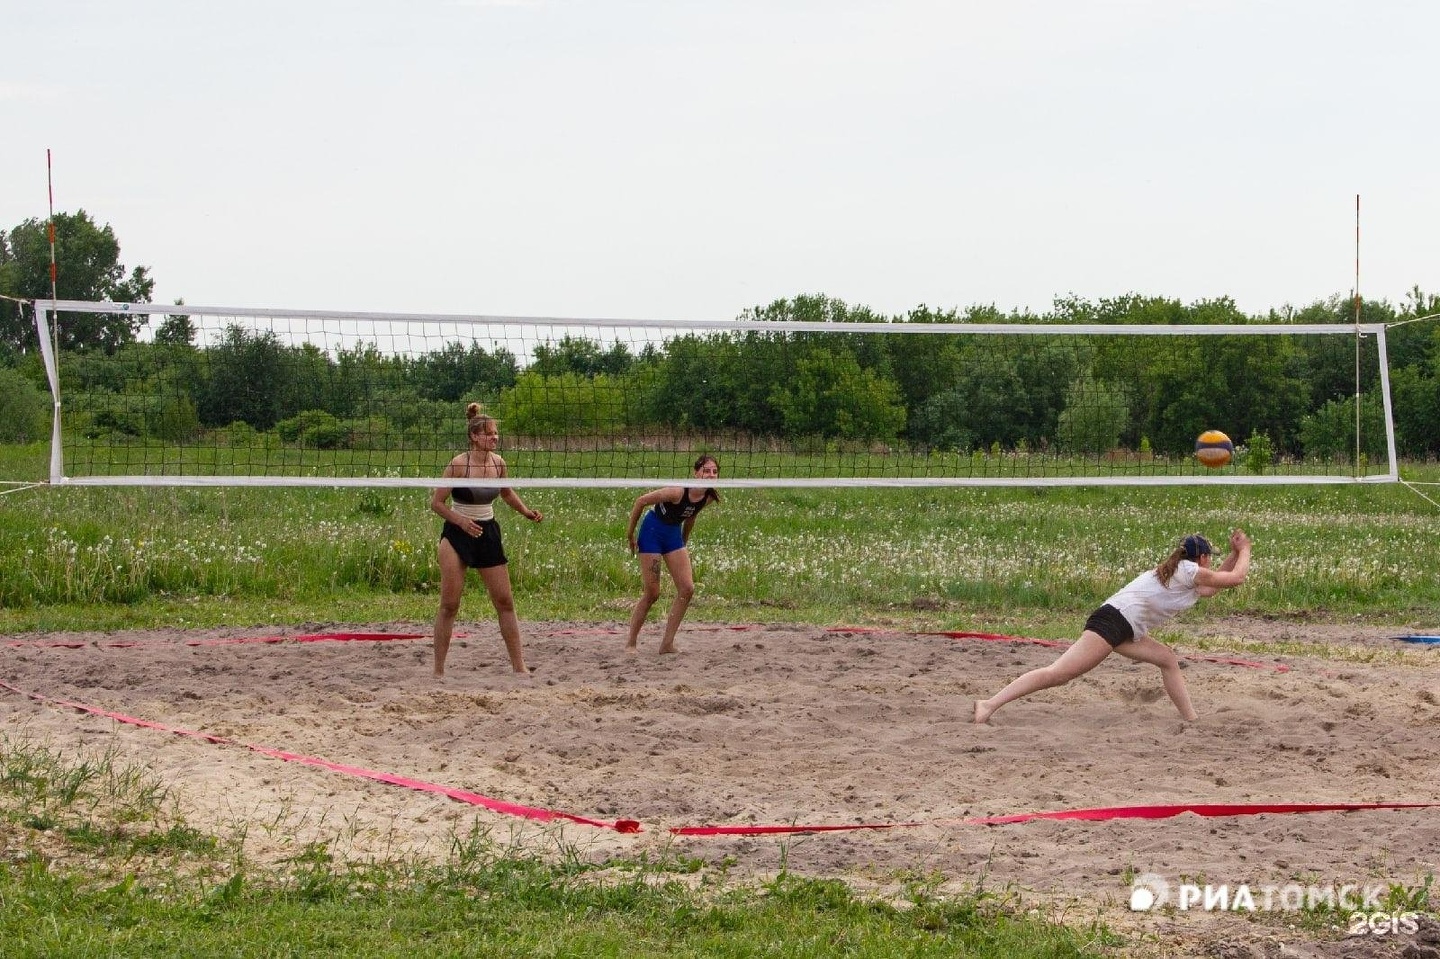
(1191, 547)
(707, 458)
(1165, 570)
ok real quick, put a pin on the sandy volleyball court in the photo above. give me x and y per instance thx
(784, 725)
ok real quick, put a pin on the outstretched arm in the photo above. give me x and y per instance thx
(1232, 571)
(1237, 539)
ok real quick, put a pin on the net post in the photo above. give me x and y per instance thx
(52, 374)
(1384, 359)
(1356, 304)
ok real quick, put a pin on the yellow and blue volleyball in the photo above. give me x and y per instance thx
(1214, 449)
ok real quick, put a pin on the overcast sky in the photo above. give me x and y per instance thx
(687, 160)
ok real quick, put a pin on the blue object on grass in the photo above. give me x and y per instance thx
(1433, 640)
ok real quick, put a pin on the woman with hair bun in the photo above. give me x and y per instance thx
(664, 535)
(1124, 622)
(471, 537)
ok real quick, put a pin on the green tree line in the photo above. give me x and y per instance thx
(1069, 394)
(1063, 393)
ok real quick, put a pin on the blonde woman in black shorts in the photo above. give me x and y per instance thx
(471, 538)
(1124, 622)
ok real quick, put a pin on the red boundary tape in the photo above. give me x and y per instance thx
(633, 826)
(459, 795)
(1096, 814)
(304, 638)
(1002, 638)
(382, 637)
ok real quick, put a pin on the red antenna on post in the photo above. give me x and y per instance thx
(54, 270)
(1357, 260)
(1356, 302)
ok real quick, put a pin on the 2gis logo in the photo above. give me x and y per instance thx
(1383, 924)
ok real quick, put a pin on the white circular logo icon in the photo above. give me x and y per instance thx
(1148, 891)
(1141, 899)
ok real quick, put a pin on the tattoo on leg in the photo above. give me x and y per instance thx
(655, 567)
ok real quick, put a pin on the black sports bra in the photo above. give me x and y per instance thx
(475, 495)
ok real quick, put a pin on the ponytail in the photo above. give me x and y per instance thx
(1166, 570)
(1192, 547)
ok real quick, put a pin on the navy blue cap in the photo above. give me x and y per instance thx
(1195, 546)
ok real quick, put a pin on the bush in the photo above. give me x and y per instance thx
(173, 419)
(830, 394)
(940, 422)
(315, 429)
(238, 434)
(568, 404)
(24, 410)
(370, 433)
(1095, 414)
(113, 415)
(1259, 452)
(1329, 432)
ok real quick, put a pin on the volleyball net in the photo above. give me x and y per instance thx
(231, 396)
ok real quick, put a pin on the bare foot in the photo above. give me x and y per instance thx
(669, 650)
(631, 649)
(982, 712)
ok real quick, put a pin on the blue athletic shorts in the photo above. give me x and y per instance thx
(658, 537)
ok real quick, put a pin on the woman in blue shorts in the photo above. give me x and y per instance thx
(1124, 622)
(663, 535)
(470, 538)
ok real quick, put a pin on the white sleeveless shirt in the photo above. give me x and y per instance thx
(1146, 604)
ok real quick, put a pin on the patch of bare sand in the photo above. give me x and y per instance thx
(786, 724)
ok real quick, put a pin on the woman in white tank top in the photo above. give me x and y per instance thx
(1124, 622)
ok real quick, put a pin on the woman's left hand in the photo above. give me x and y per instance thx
(535, 516)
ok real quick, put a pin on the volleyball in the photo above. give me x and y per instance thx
(1214, 449)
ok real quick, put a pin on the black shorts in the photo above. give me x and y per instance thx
(1110, 625)
(477, 552)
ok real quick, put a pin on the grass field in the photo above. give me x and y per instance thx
(79, 557)
(97, 862)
